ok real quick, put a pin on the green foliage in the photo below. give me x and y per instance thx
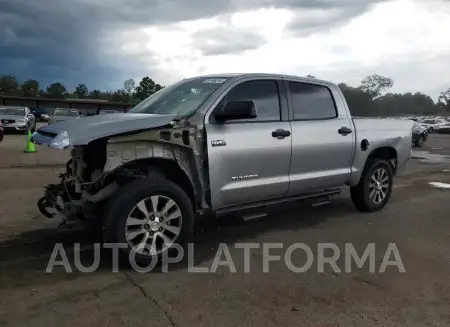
(146, 88)
(81, 91)
(30, 88)
(358, 101)
(9, 85)
(375, 85)
(128, 94)
(444, 100)
(368, 99)
(56, 90)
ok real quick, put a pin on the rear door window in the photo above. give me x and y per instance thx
(311, 102)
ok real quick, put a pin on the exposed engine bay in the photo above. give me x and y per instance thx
(96, 171)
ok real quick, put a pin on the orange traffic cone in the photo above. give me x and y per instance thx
(30, 146)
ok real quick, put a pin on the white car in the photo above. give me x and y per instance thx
(61, 114)
(433, 124)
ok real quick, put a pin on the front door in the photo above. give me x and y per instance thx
(246, 162)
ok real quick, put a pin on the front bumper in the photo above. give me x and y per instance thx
(15, 127)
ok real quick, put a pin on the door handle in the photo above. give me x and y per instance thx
(344, 130)
(281, 133)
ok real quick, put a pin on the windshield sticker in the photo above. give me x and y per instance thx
(214, 81)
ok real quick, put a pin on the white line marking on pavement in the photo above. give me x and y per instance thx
(440, 185)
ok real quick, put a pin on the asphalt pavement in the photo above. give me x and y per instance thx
(415, 221)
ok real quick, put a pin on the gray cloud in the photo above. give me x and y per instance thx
(53, 40)
(226, 40)
(320, 15)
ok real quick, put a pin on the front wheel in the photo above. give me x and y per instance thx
(431, 130)
(149, 216)
(375, 186)
(419, 143)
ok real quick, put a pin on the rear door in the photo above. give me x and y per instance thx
(323, 138)
(246, 162)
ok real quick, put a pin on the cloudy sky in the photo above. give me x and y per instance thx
(103, 42)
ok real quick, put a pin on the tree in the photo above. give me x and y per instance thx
(444, 98)
(81, 91)
(375, 85)
(96, 94)
(146, 88)
(30, 88)
(56, 90)
(358, 101)
(9, 85)
(407, 103)
(129, 85)
(122, 96)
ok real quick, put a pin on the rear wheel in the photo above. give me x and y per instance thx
(149, 216)
(375, 186)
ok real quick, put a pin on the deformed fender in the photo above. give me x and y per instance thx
(159, 144)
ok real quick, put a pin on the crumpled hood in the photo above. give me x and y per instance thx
(81, 131)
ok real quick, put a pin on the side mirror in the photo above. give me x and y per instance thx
(236, 110)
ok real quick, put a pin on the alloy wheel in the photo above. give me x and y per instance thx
(153, 225)
(379, 186)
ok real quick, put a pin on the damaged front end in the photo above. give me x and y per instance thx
(77, 195)
(97, 169)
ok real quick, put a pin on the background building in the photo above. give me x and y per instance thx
(84, 106)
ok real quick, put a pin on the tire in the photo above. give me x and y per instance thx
(361, 193)
(431, 130)
(420, 142)
(124, 204)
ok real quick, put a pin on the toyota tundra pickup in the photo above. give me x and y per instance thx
(219, 144)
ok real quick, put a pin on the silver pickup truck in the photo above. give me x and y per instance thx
(219, 144)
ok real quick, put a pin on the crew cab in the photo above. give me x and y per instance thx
(219, 144)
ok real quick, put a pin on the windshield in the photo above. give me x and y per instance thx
(67, 113)
(428, 121)
(12, 111)
(183, 98)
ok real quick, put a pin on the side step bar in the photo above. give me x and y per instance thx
(321, 199)
(253, 216)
